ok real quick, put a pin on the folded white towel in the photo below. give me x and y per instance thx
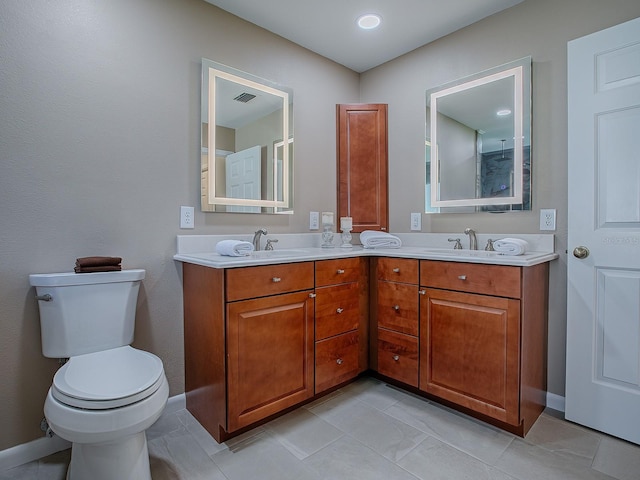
(375, 239)
(234, 248)
(510, 246)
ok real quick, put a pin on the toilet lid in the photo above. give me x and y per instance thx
(108, 379)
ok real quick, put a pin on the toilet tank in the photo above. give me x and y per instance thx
(87, 312)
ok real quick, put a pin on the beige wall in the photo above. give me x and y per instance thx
(99, 146)
(540, 28)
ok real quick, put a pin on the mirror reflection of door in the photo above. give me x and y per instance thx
(243, 178)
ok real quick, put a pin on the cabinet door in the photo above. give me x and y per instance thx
(362, 165)
(270, 356)
(470, 351)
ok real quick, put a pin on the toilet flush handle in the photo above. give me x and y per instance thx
(46, 297)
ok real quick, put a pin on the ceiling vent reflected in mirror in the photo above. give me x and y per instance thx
(244, 97)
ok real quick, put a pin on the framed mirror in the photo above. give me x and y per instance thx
(246, 142)
(478, 142)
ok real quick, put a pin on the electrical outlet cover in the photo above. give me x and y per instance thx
(548, 219)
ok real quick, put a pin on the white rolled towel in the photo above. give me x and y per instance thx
(510, 246)
(234, 248)
(375, 239)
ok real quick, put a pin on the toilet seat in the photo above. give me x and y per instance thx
(108, 379)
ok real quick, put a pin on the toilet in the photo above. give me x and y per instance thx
(108, 393)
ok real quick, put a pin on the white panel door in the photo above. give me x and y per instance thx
(243, 177)
(603, 322)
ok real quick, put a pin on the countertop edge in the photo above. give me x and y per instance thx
(213, 260)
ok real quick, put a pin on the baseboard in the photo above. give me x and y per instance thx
(42, 447)
(555, 401)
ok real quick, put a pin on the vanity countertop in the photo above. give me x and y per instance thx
(206, 256)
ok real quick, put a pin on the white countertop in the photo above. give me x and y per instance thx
(200, 250)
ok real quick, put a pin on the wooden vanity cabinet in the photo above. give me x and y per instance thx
(266, 364)
(396, 319)
(340, 321)
(483, 339)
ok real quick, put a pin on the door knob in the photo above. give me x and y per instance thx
(581, 252)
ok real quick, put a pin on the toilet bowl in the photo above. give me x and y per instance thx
(108, 393)
(103, 402)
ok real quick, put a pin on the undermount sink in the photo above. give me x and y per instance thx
(284, 252)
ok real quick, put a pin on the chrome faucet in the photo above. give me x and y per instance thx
(256, 238)
(473, 242)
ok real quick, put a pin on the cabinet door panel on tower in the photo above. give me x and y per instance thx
(362, 165)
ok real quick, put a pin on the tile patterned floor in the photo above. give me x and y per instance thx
(369, 431)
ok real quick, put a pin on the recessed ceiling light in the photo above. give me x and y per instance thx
(503, 113)
(369, 21)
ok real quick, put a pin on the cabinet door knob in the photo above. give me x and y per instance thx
(276, 279)
(396, 358)
(312, 295)
(339, 361)
(422, 292)
(339, 310)
(340, 271)
(396, 270)
(462, 277)
(396, 308)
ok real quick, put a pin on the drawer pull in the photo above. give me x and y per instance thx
(396, 358)
(339, 310)
(422, 292)
(276, 279)
(396, 308)
(462, 277)
(396, 270)
(339, 361)
(312, 295)
(340, 271)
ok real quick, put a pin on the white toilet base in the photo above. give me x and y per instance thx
(126, 458)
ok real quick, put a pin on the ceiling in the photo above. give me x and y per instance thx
(328, 27)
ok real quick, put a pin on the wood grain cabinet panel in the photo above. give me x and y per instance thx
(470, 346)
(363, 165)
(270, 356)
(398, 307)
(402, 270)
(341, 270)
(337, 360)
(337, 309)
(262, 281)
(398, 356)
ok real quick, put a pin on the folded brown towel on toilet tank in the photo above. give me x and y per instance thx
(106, 268)
(98, 264)
(98, 261)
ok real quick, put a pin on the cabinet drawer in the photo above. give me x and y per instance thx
(498, 280)
(252, 282)
(397, 307)
(398, 356)
(336, 360)
(398, 270)
(337, 310)
(341, 270)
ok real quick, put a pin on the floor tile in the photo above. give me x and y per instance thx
(618, 458)
(178, 455)
(565, 439)
(469, 435)
(206, 441)
(262, 457)
(303, 433)
(349, 459)
(530, 462)
(382, 433)
(433, 459)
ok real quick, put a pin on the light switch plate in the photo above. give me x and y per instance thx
(314, 220)
(416, 221)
